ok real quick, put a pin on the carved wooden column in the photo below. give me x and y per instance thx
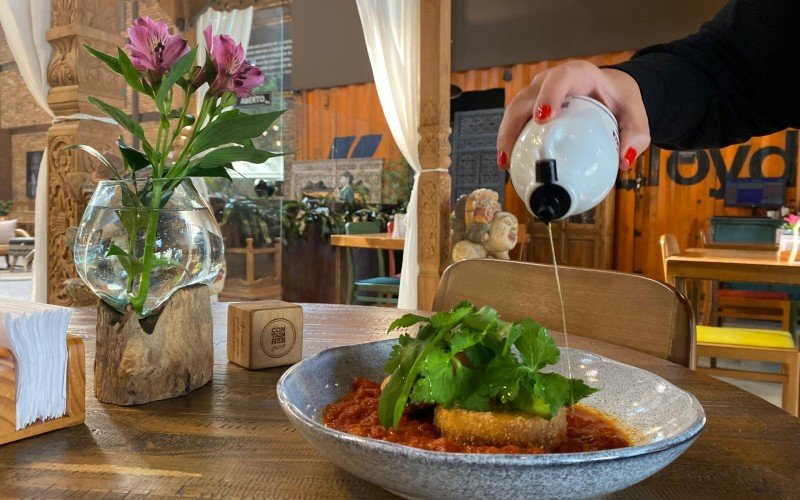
(433, 216)
(73, 75)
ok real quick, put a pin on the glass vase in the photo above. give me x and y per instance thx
(139, 242)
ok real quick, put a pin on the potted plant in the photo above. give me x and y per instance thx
(147, 244)
(5, 208)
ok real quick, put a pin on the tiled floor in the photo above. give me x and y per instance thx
(18, 285)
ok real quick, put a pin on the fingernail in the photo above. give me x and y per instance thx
(502, 159)
(543, 112)
(630, 156)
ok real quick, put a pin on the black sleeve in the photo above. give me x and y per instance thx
(738, 77)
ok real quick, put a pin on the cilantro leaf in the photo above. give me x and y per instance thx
(503, 375)
(463, 339)
(529, 402)
(395, 394)
(481, 319)
(558, 391)
(438, 382)
(535, 345)
(463, 358)
(406, 320)
(447, 320)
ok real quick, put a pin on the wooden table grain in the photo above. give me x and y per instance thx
(378, 241)
(230, 438)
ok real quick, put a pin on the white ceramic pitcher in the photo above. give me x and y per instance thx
(569, 164)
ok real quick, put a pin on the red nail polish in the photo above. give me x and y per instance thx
(630, 156)
(502, 158)
(543, 112)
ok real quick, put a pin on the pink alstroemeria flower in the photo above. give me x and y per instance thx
(152, 48)
(233, 72)
(792, 219)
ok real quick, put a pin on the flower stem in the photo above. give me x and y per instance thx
(149, 250)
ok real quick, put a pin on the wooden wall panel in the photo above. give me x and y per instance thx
(681, 202)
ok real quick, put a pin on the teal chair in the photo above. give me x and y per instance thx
(381, 289)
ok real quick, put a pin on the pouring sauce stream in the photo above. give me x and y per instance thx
(561, 301)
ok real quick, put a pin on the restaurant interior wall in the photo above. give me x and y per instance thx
(680, 201)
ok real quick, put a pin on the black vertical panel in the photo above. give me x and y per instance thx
(474, 155)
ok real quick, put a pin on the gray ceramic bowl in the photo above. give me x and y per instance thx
(662, 419)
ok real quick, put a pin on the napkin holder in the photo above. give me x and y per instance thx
(76, 395)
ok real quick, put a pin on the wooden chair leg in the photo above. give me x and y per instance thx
(786, 316)
(791, 388)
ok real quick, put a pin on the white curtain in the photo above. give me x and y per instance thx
(235, 23)
(25, 24)
(392, 32)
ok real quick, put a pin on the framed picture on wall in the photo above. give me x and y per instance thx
(32, 161)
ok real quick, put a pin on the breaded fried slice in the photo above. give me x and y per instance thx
(487, 428)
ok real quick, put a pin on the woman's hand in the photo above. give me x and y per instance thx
(543, 97)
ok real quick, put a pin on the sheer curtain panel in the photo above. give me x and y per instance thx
(392, 33)
(25, 24)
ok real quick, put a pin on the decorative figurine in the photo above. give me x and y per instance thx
(480, 229)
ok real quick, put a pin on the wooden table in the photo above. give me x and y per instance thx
(231, 439)
(767, 247)
(758, 266)
(378, 241)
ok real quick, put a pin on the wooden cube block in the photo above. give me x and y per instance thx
(265, 333)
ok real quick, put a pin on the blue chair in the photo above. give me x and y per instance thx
(380, 289)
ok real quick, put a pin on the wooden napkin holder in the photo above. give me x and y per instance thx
(76, 395)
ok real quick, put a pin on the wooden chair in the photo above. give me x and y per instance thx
(746, 344)
(623, 309)
(385, 288)
(747, 304)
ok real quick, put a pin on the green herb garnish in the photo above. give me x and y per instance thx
(463, 358)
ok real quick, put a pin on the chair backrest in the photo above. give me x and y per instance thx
(7, 228)
(623, 309)
(364, 228)
(669, 247)
(705, 237)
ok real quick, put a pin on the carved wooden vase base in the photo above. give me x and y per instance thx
(168, 354)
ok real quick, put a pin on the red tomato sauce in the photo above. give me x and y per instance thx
(357, 413)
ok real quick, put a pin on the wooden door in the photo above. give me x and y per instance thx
(583, 240)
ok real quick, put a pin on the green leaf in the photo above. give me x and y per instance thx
(120, 117)
(528, 402)
(553, 389)
(134, 159)
(406, 321)
(113, 64)
(97, 154)
(131, 265)
(229, 154)
(482, 318)
(178, 70)
(448, 319)
(437, 383)
(220, 171)
(503, 376)
(513, 334)
(234, 130)
(463, 339)
(394, 396)
(536, 347)
(130, 73)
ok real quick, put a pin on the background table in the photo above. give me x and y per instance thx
(377, 241)
(230, 438)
